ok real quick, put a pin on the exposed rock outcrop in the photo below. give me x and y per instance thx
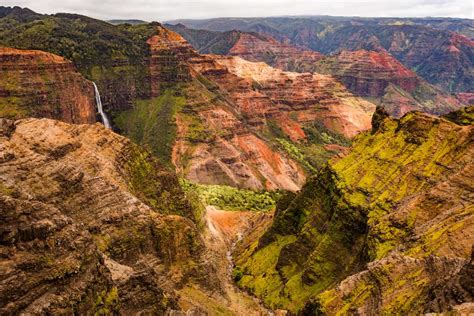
(92, 223)
(379, 76)
(308, 97)
(430, 47)
(40, 84)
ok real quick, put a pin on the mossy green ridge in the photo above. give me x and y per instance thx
(373, 206)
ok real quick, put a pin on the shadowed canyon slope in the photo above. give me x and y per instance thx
(39, 84)
(387, 229)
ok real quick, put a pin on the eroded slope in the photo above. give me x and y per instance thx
(381, 230)
(92, 223)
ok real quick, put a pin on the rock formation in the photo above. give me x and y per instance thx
(92, 223)
(39, 84)
(223, 105)
(376, 75)
(386, 229)
(380, 77)
(430, 47)
(308, 97)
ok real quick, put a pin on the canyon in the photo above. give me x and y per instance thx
(440, 51)
(350, 241)
(92, 223)
(260, 166)
(373, 74)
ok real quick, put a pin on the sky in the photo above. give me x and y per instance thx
(163, 10)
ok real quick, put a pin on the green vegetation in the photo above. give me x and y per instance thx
(84, 41)
(339, 221)
(11, 108)
(107, 303)
(296, 154)
(464, 116)
(310, 153)
(152, 123)
(155, 185)
(232, 199)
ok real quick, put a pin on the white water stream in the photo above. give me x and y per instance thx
(105, 120)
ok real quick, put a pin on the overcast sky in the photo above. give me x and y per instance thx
(162, 10)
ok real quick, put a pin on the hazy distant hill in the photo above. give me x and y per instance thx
(132, 21)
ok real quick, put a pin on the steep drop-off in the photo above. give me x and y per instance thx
(248, 45)
(201, 133)
(40, 84)
(93, 224)
(372, 74)
(387, 229)
(115, 57)
(191, 110)
(307, 97)
(219, 118)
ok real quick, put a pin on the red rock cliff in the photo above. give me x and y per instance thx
(40, 84)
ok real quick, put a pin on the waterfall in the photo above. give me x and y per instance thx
(105, 120)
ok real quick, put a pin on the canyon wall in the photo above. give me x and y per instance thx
(39, 84)
(92, 223)
(352, 241)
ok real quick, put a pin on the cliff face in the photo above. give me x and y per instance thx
(371, 74)
(352, 241)
(220, 109)
(441, 58)
(168, 61)
(255, 47)
(159, 91)
(207, 140)
(368, 72)
(264, 92)
(250, 46)
(379, 76)
(39, 84)
(91, 223)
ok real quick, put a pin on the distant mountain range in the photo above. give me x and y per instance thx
(428, 46)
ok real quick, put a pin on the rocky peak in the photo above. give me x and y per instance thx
(379, 116)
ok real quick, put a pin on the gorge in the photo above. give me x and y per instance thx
(244, 166)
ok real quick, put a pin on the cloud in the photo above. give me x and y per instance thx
(160, 10)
